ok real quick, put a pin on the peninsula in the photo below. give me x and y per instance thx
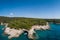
(15, 26)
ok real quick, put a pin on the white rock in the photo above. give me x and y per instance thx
(37, 27)
(13, 32)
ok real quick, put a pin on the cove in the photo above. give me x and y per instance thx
(52, 34)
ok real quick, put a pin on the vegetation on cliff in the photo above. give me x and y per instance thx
(21, 22)
(26, 23)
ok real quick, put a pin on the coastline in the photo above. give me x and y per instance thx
(37, 27)
(16, 33)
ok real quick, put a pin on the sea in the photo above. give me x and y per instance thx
(51, 34)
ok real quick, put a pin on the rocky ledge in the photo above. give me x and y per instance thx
(16, 33)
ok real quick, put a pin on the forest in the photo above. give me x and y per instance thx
(26, 23)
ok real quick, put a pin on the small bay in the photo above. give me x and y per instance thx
(52, 34)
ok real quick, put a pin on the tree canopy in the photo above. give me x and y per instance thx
(22, 22)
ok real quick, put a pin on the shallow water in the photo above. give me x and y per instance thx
(52, 34)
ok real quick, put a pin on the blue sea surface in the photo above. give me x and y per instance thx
(52, 34)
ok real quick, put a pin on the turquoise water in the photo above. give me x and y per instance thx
(52, 34)
(2, 36)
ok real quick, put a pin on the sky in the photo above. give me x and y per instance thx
(30, 8)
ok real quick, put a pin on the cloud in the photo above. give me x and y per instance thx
(11, 14)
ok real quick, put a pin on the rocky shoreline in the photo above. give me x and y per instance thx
(16, 33)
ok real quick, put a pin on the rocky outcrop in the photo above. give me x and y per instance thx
(5, 24)
(13, 32)
(16, 33)
(37, 27)
(30, 33)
